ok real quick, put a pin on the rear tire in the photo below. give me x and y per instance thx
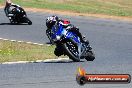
(90, 56)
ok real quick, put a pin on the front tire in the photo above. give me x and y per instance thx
(27, 20)
(70, 51)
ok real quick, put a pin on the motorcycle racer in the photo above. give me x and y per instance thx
(55, 20)
(8, 8)
(68, 40)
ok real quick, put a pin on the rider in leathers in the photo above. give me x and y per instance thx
(8, 8)
(54, 20)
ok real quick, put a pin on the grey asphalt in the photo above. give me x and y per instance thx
(111, 41)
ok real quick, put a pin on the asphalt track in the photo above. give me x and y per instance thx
(111, 40)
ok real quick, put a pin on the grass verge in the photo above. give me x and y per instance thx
(107, 7)
(15, 51)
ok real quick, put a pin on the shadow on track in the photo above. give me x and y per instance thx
(63, 62)
(11, 24)
(49, 43)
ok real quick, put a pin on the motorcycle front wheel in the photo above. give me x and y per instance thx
(71, 49)
(27, 20)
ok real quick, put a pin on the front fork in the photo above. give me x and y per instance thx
(83, 49)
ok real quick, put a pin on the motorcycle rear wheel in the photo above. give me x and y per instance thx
(90, 56)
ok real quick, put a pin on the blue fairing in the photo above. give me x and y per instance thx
(71, 35)
(59, 30)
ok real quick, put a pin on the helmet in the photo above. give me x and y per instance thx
(50, 21)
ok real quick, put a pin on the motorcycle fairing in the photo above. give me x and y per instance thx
(58, 30)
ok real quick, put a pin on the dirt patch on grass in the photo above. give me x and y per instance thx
(70, 13)
(78, 14)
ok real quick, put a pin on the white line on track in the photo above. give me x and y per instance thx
(37, 61)
(21, 41)
(40, 61)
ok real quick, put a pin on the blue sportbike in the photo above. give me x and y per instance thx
(68, 43)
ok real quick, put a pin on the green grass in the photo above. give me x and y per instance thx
(14, 51)
(108, 7)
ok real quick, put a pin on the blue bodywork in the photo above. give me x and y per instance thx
(58, 30)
